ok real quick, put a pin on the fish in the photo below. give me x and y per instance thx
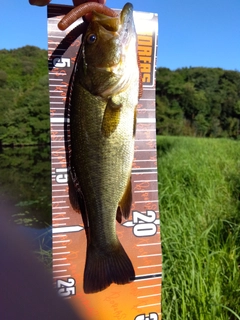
(105, 91)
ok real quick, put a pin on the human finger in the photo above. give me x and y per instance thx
(78, 2)
(39, 2)
(75, 2)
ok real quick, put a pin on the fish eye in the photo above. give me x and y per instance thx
(91, 38)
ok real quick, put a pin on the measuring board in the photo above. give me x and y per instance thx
(140, 234)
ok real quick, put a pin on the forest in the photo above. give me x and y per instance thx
(201, 102)
(24, 102)
(194, 101)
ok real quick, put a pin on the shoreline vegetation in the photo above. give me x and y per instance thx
(24, 98)
(194, 101)
(21, 145)
(199, 199)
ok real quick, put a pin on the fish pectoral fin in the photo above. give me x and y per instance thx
(125, 203)
(111, 117)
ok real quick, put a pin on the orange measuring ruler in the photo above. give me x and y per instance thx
(140, 234)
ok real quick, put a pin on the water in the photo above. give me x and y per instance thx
(25, 193)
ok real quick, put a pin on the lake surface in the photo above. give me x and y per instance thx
(25, 192)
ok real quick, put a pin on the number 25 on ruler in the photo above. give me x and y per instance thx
(66, 288)
(151, 316)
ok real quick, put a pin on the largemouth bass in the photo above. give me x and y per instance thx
(104, 96)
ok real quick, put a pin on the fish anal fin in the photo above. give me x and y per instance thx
(126, 202)
(111, 118)
(77, 202)
(73, 195)
(135, 122)
(103, 268)
(119, 215)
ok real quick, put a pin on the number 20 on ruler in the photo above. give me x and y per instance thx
(144, 225)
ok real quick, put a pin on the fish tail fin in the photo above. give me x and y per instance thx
(105, 267)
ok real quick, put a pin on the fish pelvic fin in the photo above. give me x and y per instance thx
(124, 206)
(111, 118)
(105, 267)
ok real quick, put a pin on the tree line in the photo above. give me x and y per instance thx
(198, 101)
(203, 102)
(24, 101)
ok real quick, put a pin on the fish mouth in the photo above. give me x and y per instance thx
(107, 22)
(124, 68)
(122, 27)
(123, 21)
(127, 29)
(126, 18)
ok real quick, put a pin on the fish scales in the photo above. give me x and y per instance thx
(103, 164)
(102, 126)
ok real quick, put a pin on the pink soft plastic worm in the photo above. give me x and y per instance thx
(82, 10)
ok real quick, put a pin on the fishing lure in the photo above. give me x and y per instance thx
(82, 10)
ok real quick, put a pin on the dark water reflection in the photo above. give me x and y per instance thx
(25, 191)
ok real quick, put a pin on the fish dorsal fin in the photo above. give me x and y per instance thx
(111, 117)
(125, 203)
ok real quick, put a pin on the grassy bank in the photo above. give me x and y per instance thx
(199, 188)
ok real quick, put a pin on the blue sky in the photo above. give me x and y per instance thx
(191, 32)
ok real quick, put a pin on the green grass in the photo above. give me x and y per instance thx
(44, 251)
(199, 190)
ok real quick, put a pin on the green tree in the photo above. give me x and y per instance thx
(207, 97)
(24, 103)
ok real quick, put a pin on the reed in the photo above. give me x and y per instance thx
(199, 193)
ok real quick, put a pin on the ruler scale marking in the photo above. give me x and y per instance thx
(144, 171)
